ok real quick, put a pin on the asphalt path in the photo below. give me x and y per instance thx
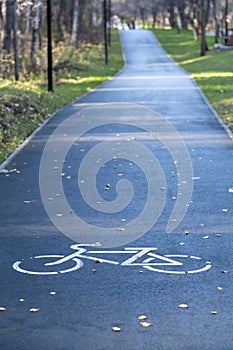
(186, 300)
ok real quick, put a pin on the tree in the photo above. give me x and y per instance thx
(217, 25)
(172, 16)
(74, 32)
(7, 24)
(181, 6)
(205, 7)
(36, 24)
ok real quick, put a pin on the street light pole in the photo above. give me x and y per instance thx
(109, 21)
(226, 23)
(105, 31)
(16, 51)
(49, 47)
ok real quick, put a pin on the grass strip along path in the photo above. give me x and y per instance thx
(25, 104)
(212, 72)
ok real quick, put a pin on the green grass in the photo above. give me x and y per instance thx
(212, 72)
(25, 104)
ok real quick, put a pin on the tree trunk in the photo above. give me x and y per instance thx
(60, 19)
(172, 18)
(154, 15)
(217, 25)
(203, 25)
(36, 24)
(28, 13)
(7, 24)
(74, 32)
(183, 16)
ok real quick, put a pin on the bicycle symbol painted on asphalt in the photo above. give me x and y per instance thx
(144, 257)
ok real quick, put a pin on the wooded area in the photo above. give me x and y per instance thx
(23, 24)
(24, 27)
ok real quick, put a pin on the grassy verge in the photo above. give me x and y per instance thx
(213, 72)
(25, 104)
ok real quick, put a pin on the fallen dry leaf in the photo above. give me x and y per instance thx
(116, 329)
(145, 324)
(120, 229)
(142, 317)
(33, 309)
(214, 312)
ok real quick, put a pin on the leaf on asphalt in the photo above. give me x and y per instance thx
(2, 309)
(142, 317)
(116, 329)
(33, 309)
(214, 312)
(145, 324)
(120, 229)
(183, 306)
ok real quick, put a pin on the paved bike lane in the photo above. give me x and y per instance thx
(187, 306)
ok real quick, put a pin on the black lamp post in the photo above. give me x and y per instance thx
(105, 31)
(226, 23)
(49, 47)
